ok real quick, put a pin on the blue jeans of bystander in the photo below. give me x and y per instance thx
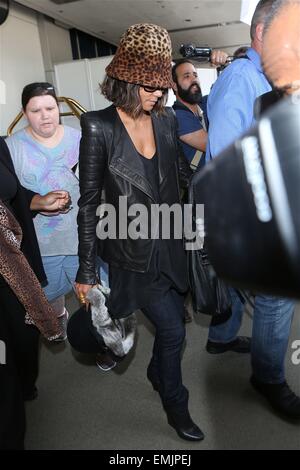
(272, 319)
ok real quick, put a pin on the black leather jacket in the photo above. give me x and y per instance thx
(104, 165)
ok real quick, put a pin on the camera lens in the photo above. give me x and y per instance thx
(186, 50)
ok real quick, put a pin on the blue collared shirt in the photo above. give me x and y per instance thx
(187, 122)
(231, 102)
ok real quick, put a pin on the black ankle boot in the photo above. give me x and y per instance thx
(181, 421)
(280, 397)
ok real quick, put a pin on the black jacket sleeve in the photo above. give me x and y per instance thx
(92, 164)
(185, 171)
(29, 195)
(20, 205)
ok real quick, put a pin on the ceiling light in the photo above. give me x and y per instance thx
(62, 2)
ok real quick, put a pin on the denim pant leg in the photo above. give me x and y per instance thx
(271, 328)
(227, 331)
(103, 272)
(61, 273)
(70, 268)
(167, 315)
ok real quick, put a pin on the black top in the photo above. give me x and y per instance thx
(151, 170)
(8, 190)
(18, 199)
(8, 184)
(133, 290)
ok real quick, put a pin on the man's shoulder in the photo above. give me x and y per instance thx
(187, 122)
(241, 74)
(239, 68)
(183, 113)
(179, 106)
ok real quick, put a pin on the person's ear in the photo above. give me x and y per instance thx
(259, 31)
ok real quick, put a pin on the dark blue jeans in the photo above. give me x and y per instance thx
(272, 319)
(167, 315)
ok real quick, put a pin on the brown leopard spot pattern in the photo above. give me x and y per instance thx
(18, 274)
(144, 57)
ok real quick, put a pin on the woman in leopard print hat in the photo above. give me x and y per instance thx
(144, 57)
(130, 150)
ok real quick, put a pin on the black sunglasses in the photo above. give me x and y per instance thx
(152, 89)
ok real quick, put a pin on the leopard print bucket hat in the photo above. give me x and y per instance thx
(144, 57)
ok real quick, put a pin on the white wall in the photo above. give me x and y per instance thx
(21, 60)
(56, 45)
(80, 80)
(30, 44)
(207, 76)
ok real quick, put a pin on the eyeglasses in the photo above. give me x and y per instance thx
(152, 89)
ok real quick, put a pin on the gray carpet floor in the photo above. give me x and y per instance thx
(81, 407)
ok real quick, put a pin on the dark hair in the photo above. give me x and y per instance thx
(240, 52)
(37, 89)
(261, 11)
(126, 96)
(275, 10)
(174, 68)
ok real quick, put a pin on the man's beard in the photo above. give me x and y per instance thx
(189, 96)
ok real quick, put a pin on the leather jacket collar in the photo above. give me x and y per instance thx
(128, 167)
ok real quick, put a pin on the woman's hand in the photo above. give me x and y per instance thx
(54, 201)
(81, 291)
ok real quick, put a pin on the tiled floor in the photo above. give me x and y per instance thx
(81, 407)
